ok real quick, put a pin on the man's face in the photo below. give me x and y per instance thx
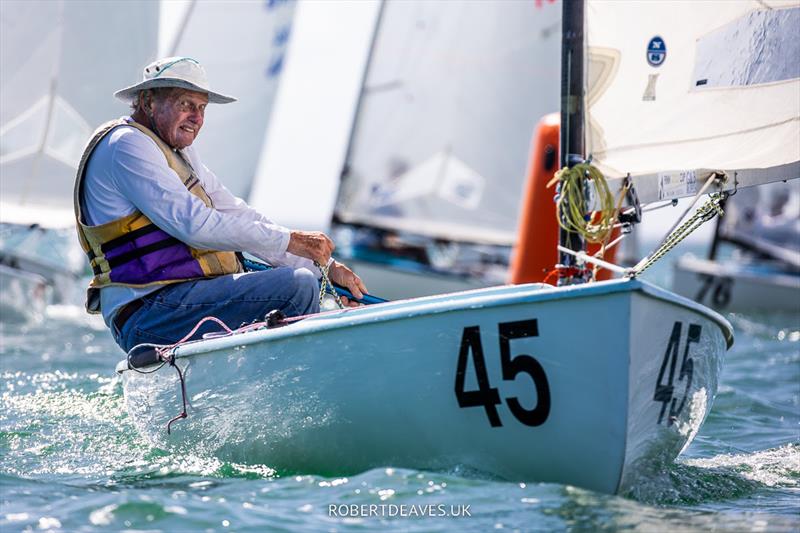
(178, 115)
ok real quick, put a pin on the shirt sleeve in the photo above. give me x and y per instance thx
(141, 174)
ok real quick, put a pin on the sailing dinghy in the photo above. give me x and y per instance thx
(594, 384)
(762, 227)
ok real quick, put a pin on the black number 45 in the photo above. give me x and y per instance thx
(665, 384)
(487, 396)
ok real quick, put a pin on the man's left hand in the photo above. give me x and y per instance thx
(345, 277)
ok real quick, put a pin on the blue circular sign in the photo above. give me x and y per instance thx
(656, 51)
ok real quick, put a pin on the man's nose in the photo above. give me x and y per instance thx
(197, 116)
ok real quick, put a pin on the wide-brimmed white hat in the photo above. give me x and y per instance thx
(183, 72)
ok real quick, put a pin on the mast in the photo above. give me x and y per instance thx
(572, 114)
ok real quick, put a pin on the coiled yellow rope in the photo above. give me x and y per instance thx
(595, 227)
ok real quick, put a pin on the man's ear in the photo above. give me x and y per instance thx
(147, 102)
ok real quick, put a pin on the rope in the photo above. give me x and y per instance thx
(326, 286)
(706, 212)
(614, 217)
(166, 354)
(595, 227)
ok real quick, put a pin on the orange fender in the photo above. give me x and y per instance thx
(536, 252)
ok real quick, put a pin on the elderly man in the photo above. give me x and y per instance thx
(162, 232)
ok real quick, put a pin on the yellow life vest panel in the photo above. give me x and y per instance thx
(132, 251)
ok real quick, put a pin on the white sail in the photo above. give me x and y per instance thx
(313, 112)
(242, 46)
(450, 100)
(61, 63)
(677, 90)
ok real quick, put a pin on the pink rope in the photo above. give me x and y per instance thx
(228, 331)
(189, 335)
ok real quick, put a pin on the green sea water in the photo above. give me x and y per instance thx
(73, 461)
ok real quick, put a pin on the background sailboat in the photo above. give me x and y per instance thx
(754, 259)
(59, 73)
(431, 187)
(53, 97)
(433, 164)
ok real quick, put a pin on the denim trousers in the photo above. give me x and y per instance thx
(169, 314)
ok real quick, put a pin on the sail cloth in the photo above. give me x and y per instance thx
(451, 96)
(242, 46)
(678, 89)
(61, 63)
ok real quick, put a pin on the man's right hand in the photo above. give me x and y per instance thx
(313, 245)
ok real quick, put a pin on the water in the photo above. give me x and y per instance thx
(72, 460)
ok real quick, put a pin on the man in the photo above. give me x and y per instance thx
(161, 230)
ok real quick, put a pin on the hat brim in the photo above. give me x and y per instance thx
(128, 94)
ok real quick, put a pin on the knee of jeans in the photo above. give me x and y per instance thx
(306, 290)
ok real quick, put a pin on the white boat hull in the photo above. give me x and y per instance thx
(728, 286)
(568, 394)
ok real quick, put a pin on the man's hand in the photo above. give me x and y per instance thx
(345, 277)
(313, 245)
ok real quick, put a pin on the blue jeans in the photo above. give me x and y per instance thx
(167, 315)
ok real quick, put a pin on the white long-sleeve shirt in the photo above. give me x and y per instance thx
(128, 172)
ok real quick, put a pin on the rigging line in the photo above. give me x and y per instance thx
(594, 261)
(652, 207)
(612, 244)
(705, 213)
(711, 179)
(623, 192)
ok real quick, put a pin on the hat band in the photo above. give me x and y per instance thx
(168, 65)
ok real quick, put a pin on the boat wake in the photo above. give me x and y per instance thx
(58, 423)
(721, 477)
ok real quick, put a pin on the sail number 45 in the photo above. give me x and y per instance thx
(487, 396)
(665, 384)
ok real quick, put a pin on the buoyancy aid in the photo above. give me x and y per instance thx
(132, 251)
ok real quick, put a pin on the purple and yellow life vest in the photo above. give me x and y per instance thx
(132, 251)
